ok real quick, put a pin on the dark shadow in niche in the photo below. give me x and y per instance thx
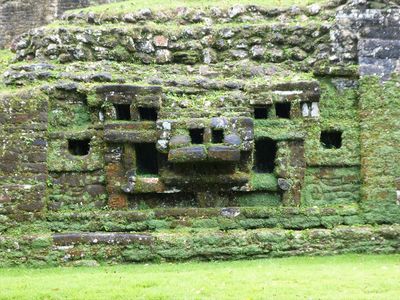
(146, 159)
(264, 156)
(217, 136)
(245, 157)
(147, 113)
(283, 110)
(331, 139)
(123, 111)
(197, 135)
(79, 147)
(261, 111)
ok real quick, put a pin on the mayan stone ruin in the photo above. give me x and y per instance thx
(18, 16)
(212, 133)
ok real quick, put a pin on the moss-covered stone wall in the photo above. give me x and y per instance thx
(130, 140)
(23, 155)
(17, 17)
(83, 249)
(380, 137)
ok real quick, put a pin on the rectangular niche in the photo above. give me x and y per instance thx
(123, 112)
(217, 136)
(146, 159)
(197, 135)
(79, 147)
(261, 111)
(264, 156)
(331, 139)
(147, 113)
(282, 110)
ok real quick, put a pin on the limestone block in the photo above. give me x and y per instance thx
(188, 154)
(219, 123)
(232, 139)
(305, 110)
(223, 153)
(179, 141)
(314, 110)
(160, 41)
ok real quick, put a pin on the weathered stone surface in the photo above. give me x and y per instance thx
(163, 56)
(160, 41)
(257, 51)
(24, 15)
(225, 113)
(223, 153)
(179, 140)
(188, 154)
(314, 9)
(101, 77)
(67, 239)
(219, 123)
(314, 109)
(284, 184)
(73, 248)
(232, 139)
(230, 212)
(95, 190)
(236, 10)
(119, 136)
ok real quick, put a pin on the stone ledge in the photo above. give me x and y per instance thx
(136, 136)
(65, 239)
(199, 219)
(239, 244)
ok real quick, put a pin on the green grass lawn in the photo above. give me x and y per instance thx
(133, 5)
(338, 277)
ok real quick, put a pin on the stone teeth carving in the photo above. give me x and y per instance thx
(305, 110)
(101, 116)
(314, 109)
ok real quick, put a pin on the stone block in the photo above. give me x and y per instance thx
(284, 184)
(31, 206)
(127, 94)
(118, 136)
(163, 56)
(379, 48)
(223, 153)
(232, 139)
(188, 154)
(384, 32)
(186, 57)
(160, 41)
(95, 190)
(68, 239)
(118, 201)
(219, 123)
(179, 141)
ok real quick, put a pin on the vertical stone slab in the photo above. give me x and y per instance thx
(380, 138)
(291, 167)
(23, 168)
